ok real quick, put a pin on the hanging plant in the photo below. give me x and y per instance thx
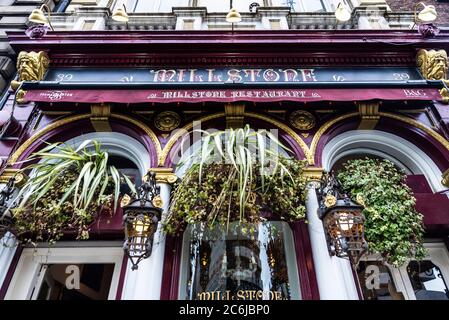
(66, 191)
(235, 177)
(393, 227)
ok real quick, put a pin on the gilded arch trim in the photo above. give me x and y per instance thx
(280, 125)
(402, 118)
(71, 119)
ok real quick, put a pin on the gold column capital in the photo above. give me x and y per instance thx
(8, 173)
(164, 175)
(369, 114)
(313, 173)
(445, 180)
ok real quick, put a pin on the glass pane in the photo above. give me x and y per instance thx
(427, 281)
(223, 6)
(61, 282)
(376, 281)
(239, 264)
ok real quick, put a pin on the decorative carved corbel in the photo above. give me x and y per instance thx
(445, 180)
(369, 114)
(164, 175)
(31, 66)
(99, 117)
(313, 173)
(235, 113)
(432, 64)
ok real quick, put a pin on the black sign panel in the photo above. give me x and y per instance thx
(233, 75)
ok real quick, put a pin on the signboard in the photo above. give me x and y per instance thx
(232, 75)
(229, 95)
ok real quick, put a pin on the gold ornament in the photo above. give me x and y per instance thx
(125, 200)
(31, 66)
(330, 201)
(360, 199)
(302, 120)
(157, 202)
(167, 121)
(433, 64)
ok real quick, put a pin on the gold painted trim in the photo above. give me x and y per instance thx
(180, 132)
(65, 121)
(418, 125)
(313, 173)
(20, 177)
(289, 131)
(324, 128)
(42, 132)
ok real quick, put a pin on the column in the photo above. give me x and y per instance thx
(8, 247)
(145, 282)
(334, 275)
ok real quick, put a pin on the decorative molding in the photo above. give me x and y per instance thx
(313, 173)
(234, 113)
(31, 66)
(445, 95)
(445, 180)
(167, 121)
(302, 120)
(433, 64)
(369, 114)
(8, 173)
(324, 128)
(164, 175)
(24, 146)
(99, 117)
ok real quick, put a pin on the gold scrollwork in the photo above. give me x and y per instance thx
(445, 180)
(164, 175)
(19, 177)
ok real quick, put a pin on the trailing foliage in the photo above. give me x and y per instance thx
(227, 182)
(393, 227)
(65, 192)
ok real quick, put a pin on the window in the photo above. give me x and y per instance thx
(224, 6)
(238, 264)
(427, 281)
(90, 281)
(41, 273)
(304, 5)
(376, 281)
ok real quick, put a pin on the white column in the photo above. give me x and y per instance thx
(145, 282)
(333, 274)
(8, 247)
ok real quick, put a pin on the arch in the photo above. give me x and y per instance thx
(69, 120)
(169, 147)
(118, 144)
(402, 152)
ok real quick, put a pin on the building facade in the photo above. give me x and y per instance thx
(372, 86)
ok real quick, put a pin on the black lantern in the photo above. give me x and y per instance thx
(343, 221)
(141, 217)
(6, 220)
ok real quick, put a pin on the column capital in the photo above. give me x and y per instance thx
(20, 177)
(164, 175)
(313, 174)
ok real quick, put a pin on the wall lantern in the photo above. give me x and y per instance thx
(120, 15)
(6, 220)
(233, 15)
(427, 14)
(38, 16)
(343, 221)
(141, 217)
(342, 13)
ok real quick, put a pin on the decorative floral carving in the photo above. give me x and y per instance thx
(167, 121)
(302, 120)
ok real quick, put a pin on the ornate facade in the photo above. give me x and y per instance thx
(369, 87)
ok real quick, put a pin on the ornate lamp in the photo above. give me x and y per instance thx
(38, 16)
(120, 15)
(5, 219)
(141, 217)
(343, 221)
(342, 13)
(427, 14)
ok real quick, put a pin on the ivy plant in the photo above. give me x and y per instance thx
(235, 177)
(393, 227)
(66, 190)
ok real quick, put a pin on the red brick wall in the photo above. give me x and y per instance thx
(408, 5)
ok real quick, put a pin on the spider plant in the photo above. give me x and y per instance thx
(233, 175)
(67, 179)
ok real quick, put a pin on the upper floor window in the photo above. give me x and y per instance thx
(304, 5)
